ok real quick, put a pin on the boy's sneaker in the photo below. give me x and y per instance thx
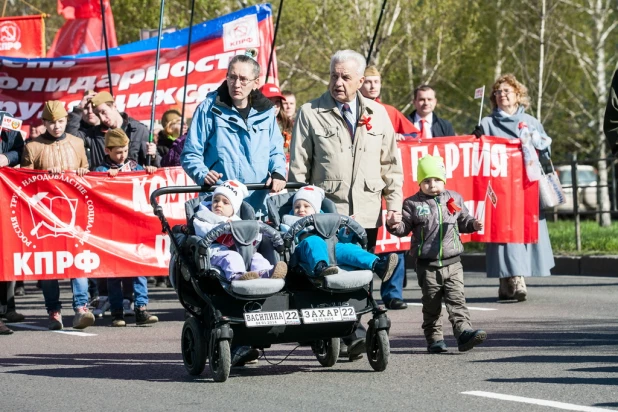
(470, 338)
(126, 308)
(83, 318)
(280, 270)
(437, 347)
(322, 269)
(55, 320)
(118, 319)
(384, 268)
(101, 306)
(143, 317)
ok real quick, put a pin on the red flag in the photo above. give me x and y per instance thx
(22, 36)
(83, 30)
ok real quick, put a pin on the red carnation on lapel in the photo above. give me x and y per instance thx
(365, 122)
(452, 206)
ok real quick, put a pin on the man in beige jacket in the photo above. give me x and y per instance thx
(345, 144)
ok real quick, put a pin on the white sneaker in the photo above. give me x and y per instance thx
(126, 307)
(101, 307)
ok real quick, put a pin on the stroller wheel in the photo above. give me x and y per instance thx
(220, 360)
(378, 349)
(193, 344)
(326, 351)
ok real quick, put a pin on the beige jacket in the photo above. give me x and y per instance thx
(44, 153)
(354, 176)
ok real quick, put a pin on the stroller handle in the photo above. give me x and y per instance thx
(206, 189)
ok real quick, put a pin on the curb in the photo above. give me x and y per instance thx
(565, 265)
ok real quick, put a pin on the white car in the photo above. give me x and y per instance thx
(587, 188)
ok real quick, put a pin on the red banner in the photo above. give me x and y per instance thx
(489, 174)
(22, 36)
(26, 84)
(66, 226)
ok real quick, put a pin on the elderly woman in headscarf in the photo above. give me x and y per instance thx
(512, 262)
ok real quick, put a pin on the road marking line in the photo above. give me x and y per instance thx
(469, 307)
(65, 332)
(553, 404)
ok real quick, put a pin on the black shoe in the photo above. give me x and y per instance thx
(396, 304)
(356, 349)
(384, 268)
(243, 354)
(20, 291)
(4, 330)
(437, 347)
(151, 280)
(322, 269)
(143, 317)
(161, 284)
(470, 338)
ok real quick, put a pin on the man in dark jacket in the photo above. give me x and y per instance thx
(94, 138)
(610, 123)
(424, 117)
(11, 148)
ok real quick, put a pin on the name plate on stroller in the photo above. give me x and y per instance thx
(285, 317)
(324, 315)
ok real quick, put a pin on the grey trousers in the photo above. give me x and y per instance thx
(444, 282)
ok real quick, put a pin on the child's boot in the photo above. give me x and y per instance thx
(323, 269)
(470, 338)
(384, 268)
(249, 276)
(280, 270)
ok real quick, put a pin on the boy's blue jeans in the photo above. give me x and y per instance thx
(140, 292)
(51, 293)
(313, 249)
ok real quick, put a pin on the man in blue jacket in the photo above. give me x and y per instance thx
(234, 135)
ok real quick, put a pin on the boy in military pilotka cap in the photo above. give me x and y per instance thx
(57, 152)
(435, 217)
(116, 160)
(117, 155)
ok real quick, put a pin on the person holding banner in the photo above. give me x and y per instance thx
(94, 138)
(425, 119)
(234, 135)
(391, 290)
(511, 262)
(57, 152)
(346, 145)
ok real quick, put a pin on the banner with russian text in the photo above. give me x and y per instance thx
(489, 174)
(66, 226)
(22, 36)
(26, 83)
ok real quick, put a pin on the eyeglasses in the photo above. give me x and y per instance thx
(499, 92)
(243, 82)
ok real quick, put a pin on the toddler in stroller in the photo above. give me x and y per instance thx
(224, 206)
(311, 251)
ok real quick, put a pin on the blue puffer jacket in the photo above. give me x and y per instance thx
(219, 139)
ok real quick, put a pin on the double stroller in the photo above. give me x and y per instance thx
(311, 311)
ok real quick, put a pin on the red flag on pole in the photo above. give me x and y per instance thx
(83, 30)
(22, 36)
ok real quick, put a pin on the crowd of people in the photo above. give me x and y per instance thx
(343, 143)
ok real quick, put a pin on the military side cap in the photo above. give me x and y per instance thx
(116, 138)
(54, 110)
(372, 71)
(100, 98)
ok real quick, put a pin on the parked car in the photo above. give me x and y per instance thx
(587, 187)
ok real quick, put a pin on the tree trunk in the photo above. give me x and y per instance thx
(539, 99)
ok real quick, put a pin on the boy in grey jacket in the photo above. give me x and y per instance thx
(435, 217)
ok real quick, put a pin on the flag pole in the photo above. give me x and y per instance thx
(481, 111)
(109, 67)
(375, 33)
(272, 49)
(156, 77)
(184, 91)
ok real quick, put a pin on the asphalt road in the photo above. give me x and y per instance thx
(561, 346)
